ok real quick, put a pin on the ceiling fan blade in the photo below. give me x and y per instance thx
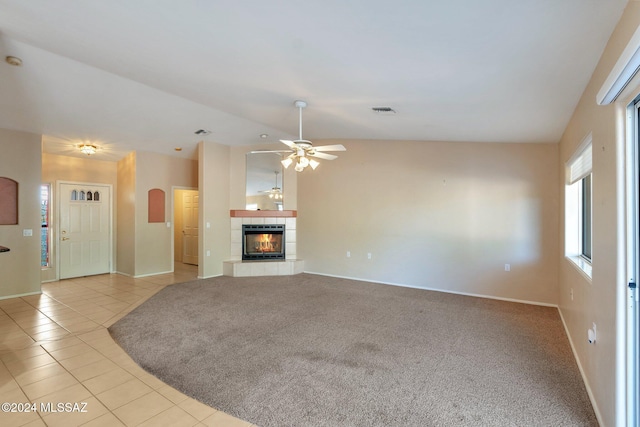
(335, 147)
(324, 156)
(289, 143)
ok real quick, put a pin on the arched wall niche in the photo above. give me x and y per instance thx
(156, 205)
(8, 201)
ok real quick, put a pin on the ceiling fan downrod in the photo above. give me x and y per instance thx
(300, 105)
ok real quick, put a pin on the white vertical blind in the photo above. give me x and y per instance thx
(580, 165)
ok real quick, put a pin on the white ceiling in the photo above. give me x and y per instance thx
(146, 74)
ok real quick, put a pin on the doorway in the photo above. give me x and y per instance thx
(84, 238)
(185, 219)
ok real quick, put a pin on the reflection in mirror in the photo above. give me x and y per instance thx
(264, 181)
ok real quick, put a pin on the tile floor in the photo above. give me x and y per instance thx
(55, 349)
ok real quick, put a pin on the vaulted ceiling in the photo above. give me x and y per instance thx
(147, 74)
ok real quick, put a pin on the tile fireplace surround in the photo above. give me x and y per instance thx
(235, 267)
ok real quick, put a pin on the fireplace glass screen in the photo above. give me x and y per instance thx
(263, 242)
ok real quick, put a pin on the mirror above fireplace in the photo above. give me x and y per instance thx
(265, 184)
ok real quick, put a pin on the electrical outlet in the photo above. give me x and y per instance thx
(507, 267)
(348, 254)
(369, 255)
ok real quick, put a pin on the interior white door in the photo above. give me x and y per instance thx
(84, 236)
(190, 227)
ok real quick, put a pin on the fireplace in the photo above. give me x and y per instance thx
(263, 242)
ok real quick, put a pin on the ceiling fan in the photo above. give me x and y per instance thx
(275, 192)
(302, 149)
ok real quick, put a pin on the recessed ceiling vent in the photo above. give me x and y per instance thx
(202, 132)
(383, 110)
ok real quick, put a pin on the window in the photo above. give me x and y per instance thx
(578, 207)
(585, 217)
(45, 218)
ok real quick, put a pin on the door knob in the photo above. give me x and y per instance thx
(65, 238)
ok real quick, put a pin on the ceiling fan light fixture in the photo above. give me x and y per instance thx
(287, 162)
(302, 149)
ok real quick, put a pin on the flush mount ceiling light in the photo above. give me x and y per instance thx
(13, 60)
(88, 149)
(302, 149)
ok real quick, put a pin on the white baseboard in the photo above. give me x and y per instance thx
(584, 377)
(21, 295)
(209, 277)
(123, 274)
(543, 304)
(138, 276)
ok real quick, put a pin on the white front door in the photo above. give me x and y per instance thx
(84, 233)
(190, 227)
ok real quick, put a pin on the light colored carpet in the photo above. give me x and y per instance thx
(310, 350)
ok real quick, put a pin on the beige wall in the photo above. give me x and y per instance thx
(75, 169)
(445, 216)
(153, 241)
(598, 300)
(214, 184)
(145, 248)
(126, 214)
(20, 160)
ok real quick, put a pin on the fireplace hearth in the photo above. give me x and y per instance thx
(263, 242)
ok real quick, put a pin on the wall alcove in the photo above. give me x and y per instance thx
(156, 205)
(8, 201)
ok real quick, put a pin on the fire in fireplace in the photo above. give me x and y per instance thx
(263, 242)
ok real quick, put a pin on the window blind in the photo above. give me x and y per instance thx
(580, 166)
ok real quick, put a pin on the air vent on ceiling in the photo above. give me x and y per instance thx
(202, 132)
(383, 110)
